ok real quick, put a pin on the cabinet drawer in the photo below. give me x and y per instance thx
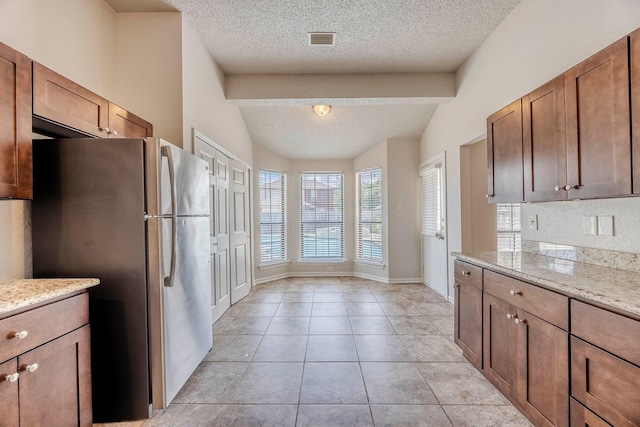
(468, 273)
(42, 325)
(547, 305)
(607, 330)
(582, 417)
(605, 384)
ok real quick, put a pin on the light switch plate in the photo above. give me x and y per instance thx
(605, 225)
(533, 222)
(590, 225)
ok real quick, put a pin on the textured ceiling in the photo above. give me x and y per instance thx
(372, 36)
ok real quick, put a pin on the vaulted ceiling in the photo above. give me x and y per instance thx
(392, 63)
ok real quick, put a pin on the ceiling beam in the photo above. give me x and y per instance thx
(339, 89)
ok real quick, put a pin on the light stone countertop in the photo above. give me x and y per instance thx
(618, 289)
(21, 293)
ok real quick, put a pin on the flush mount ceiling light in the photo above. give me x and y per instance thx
(321, 109)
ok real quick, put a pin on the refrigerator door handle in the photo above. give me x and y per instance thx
(168, 280)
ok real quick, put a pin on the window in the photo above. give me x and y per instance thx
(432, 218)
(369, 220)
(508, 227)
(321, 215)
(272, 217)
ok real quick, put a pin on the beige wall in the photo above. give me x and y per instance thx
(539, 40)
(403, 162)
(149, 80)
(372, 158)
(205, 107)
(478, 216)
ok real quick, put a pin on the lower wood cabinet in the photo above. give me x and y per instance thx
(50, 384)
(468, 322)
(582, 417)
(500, 343)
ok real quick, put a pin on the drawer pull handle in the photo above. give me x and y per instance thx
(21, 335)
(466, 273)
(520, 321)
(514, 293)
(31, 368)
(510, 316)
(12, 378)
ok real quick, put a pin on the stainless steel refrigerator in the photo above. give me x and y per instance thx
(135, 214)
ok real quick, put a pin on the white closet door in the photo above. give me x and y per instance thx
(239, 237)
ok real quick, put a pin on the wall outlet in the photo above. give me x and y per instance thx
(590, 225)
(605, 225)
(533, 222)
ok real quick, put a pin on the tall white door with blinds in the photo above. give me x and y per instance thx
(229, 198)
(434, 242)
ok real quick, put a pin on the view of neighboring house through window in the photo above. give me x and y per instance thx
(272, 217)
(321, 215)
(369, 220)
(508, 227)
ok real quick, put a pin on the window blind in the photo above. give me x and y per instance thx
(432, 200)
(508, 227)
(369, 219)
(321, 215)
(272, 216)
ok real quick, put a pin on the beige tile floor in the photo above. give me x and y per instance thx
(336, 352)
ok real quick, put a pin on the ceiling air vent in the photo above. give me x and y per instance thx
(322, 39)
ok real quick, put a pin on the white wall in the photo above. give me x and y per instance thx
(539, 40)
(205, 106)
(403, 162)
(149, 80)
(375, 157)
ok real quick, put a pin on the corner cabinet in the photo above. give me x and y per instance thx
(504, 154)
(58, 101)
(45, 374)
(15, 125)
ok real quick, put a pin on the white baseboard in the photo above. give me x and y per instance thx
(271, 278)
(336, 274)
(370, 277)
(409, 280)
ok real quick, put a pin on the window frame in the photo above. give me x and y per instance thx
(341, 224)
(283, 223)
(359, 222)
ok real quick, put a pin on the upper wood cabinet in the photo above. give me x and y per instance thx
(504, 154)
(15, 125)
(635, 107)
(598, 125)
(544, 143)
(58, 100)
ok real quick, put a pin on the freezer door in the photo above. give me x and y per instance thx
(190, 184)
(187, 311)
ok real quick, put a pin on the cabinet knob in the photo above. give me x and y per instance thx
(115, 132)
(514, 293)
(456, 285)
(12, 378)
(466, 273)
(31, 368)
(558, 188)
(510, 316)
(520, 321)
(570, 187)
(489, 195)
(103, 129)
(21, 335)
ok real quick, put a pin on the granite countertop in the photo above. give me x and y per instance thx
(618, 289)
(21, 293)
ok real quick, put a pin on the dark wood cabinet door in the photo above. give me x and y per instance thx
(504, 154)
(16, 179)
(58, 391)
(543, 371)
(468, 322)
(544, 143)
(123, 124)
(58, 99)
(582, 417)
(635, 107)
(499, 343)
(9, 415)
(598, 126)
(605, 384)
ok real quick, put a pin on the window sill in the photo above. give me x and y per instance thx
(323, 261)
(273, 265)
(370, 264)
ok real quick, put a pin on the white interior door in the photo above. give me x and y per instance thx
(434, 241)
(219, 199)
(239, 237)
